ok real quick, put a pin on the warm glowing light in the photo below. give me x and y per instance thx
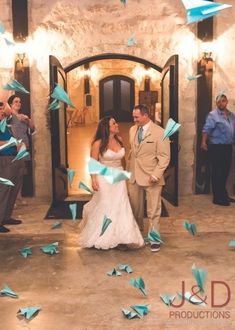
(139, 73)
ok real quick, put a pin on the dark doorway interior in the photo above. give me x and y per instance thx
(117, 97)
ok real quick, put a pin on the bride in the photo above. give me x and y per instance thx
(109, 200)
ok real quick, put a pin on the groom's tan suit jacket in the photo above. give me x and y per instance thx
(149, 158)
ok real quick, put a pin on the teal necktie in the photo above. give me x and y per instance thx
(140, 134)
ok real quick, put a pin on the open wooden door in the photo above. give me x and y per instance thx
(58, 135)
(169, 109)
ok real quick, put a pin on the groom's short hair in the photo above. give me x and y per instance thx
(143, 108)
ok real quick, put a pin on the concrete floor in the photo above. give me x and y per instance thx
(75, 293)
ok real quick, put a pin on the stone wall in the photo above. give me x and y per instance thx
(72, 30)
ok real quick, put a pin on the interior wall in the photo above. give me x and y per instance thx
(100, 70)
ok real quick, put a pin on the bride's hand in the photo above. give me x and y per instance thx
(95, 185)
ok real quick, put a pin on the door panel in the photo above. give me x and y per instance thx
(169, 104)
(117, 97)
(58, 135)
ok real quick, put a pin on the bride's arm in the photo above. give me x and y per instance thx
(95, 150)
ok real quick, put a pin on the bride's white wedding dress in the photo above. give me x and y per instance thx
(111, 200)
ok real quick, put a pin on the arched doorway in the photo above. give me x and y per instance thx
(169, 108)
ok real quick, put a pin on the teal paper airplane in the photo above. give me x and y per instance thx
(106, 223)
(6, 182)
(50, 248)
(15, 86)
(29, 312)
(56, 225)
(171, 128)
(125, 267)
(200, 276)
(154, 236)
(198, 10)
(54, 105)
(114, 272)
(60, 94)
(71, 174)
(141, 309)
(139, 284)
(6, 291)
(82, 185)
(129, 314)
(73, 209)
(21, 153)
(3, 125)
(131, 41)
(190, 227)
(26, 251)
(167, 299)
(190, 78)
(232, 243)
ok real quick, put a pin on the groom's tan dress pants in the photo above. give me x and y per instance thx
(153, 196)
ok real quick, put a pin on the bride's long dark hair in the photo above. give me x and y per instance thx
(102, 133)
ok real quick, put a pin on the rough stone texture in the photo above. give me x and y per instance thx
(72, 30)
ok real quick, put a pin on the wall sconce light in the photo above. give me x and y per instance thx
(86, 78)
(21, 58)
(206, 62)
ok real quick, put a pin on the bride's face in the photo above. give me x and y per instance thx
(113, 126)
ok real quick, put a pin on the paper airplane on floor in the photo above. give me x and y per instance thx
(200, 276)
(50, 248)
(171, 128)
(141, 309)
(60, 94)
(56, 225)
(26, 251)
(114, 272)
(6, 291)
(21, 153)
(129, 314)
(8, 42)
(232, 243)
(28, 312)
(6, 182)
(106, 223)
(167, 299)
(125, 267)
(139, 284)
(198, 10)
(190, 227)
(15, 86)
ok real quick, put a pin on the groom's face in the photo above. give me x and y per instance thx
(139, 119)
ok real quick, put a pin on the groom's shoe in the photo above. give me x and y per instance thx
(4, 229)
(12, 221)
(155, 247)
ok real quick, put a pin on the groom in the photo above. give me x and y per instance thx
(149, 157)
